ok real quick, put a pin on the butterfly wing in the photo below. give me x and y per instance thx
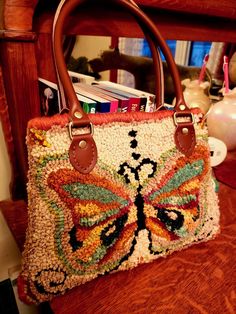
(98, 230)
(172, 206)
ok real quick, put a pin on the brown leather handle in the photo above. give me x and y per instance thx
(68, 46)
(185, 143)
(69, 6)
(157, 68)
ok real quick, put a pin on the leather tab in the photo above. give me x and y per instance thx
(83, 153)
(185, 138)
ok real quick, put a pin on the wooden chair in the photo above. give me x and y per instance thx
(198, 280)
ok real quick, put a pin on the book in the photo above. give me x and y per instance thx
(88, 105)
(102, 104)
(147, 102)
(91, 88)
(123, 102)
(134, 100)
(50, 99)
(82, 78)
(94, 98)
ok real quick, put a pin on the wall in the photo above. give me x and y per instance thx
(5, 169)
(91, 47)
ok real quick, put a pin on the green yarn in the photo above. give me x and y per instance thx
(188, 172)
(89, 222)
(178, 200)
(93, 192)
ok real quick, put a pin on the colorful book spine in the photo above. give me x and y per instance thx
(49, 97)
(90, 88)
(147, 99)
(89, 105)
(101, 96)
(123, 102)
(103, 105)
(134, 101)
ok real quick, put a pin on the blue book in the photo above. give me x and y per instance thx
(134, 100)
(148, 100)
(103, 105)
(123, 102)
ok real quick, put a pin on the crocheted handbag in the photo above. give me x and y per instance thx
(107, 192)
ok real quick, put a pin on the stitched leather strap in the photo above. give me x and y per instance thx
(158, 66)
(184, 135)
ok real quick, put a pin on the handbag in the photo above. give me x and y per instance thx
(107, 192)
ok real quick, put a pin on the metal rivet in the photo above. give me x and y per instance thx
(82, 144)
(78, 115)
(185, 131)
(182, 107)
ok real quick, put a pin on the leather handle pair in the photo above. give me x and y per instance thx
(185, 141)
(158, 66)
(142, 19)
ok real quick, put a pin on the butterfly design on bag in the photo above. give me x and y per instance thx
(110, 217)
(116, 220)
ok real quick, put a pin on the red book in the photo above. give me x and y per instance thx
(123, 102)
(113, 101)
(134, 100)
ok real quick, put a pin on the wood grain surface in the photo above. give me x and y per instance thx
(19, 72)
(226, 8)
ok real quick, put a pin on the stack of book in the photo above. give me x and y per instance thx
(96, 97)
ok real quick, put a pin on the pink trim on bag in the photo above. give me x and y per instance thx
(45, 123)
